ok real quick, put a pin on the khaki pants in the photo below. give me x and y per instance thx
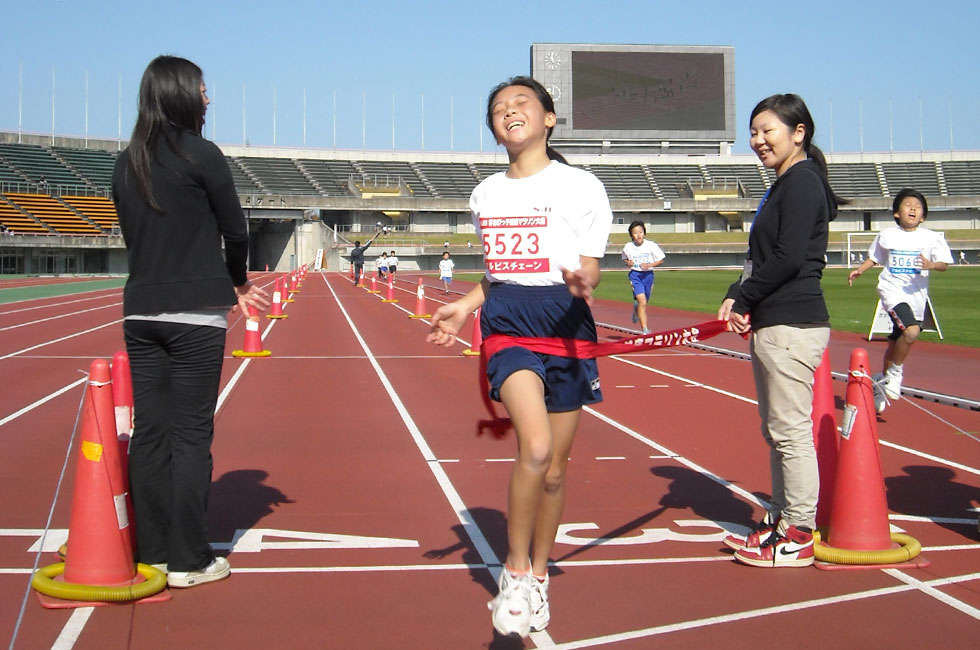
(784, 358)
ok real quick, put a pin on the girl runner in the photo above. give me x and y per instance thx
(544, 227)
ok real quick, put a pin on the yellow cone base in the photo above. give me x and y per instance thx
(471, 353)
(277, 317)
(386, 300)
(420, 315)
(243, 353)
(52, 602)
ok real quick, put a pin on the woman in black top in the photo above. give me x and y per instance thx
(779, 301)
(176, 202)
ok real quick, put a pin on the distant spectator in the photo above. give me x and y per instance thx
(963, 259)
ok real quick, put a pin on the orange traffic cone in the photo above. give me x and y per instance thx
(420, 303)
(859, 535)
(824, 437)
(390, 296)
(474, 349)
(253, 340)
(351, 271)
(285, 289)
(374, 283)
(122, 399)
(294, 283)
(99, 566)
(276, 311)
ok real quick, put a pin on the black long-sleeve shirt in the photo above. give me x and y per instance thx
(175, 261)
(787, 246)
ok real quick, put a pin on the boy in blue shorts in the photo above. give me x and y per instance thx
(641, 256)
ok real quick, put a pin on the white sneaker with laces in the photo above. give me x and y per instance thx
(511, 607)
(540, 611)
(877, 382)
(893, 382)
(219, 569)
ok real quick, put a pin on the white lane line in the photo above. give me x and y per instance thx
(50, 318)
(72, 629)
(463, 514)
(695, 384)
(58, 304)
(690, 382)
(610, 457)
(929, 589)
(922, 454)
(745, 494)
(43, 400)
(63, 338)
(79, 293)
(501, 460)
(754, 613)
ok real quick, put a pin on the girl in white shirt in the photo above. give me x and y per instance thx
(544, 227)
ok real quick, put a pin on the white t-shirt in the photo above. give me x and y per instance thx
(446, 268)
(646, 253)
(392, 261)
(533, 227)
(382, 262)
(902, 278)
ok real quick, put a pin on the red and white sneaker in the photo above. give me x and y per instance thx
(754, 539)
(792, 549)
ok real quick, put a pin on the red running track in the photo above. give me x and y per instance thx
(359, 510)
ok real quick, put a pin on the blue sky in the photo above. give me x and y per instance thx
(436, 60)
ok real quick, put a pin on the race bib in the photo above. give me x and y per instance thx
(515, 244)
(904, 262)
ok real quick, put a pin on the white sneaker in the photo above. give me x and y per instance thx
(162, 568)
(893, 383)
(511, 607)
(540, 612)
(878, 391)
(219, 569)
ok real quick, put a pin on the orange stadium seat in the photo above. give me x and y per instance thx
(53, 214)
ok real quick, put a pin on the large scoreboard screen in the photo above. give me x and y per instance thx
(639, 92)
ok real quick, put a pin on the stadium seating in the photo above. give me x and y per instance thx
(97, 209)
(75, 172)
(40, 165)
(53, 214)
(94, 165)
(331, 176)
(17, 222)
(962, 177)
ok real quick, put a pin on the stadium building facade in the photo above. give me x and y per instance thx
(56, 209)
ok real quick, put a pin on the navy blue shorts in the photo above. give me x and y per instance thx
(542, 312)
(642, 282)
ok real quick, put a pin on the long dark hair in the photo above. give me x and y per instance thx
(543, 96)
(792, 110)
(170, 94)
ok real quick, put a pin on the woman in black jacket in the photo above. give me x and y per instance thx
(779, 301)
(176, 202)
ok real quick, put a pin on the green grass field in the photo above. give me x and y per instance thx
(954, 296)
